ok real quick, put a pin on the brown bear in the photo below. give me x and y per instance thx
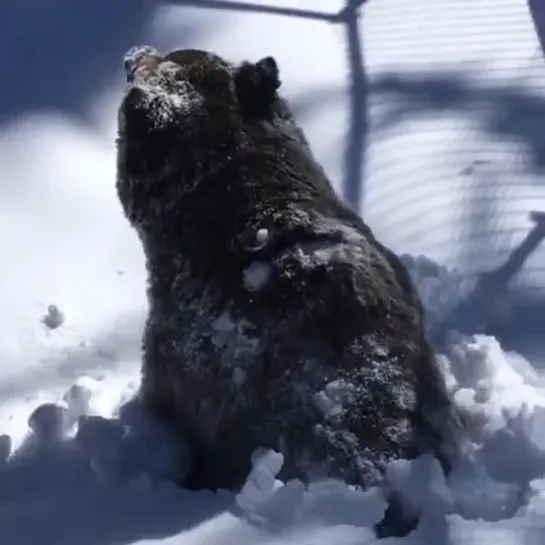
(276, 318)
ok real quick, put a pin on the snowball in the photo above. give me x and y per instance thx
(261, 481)
(255, 240)
(256, 275)
(53, 318)
(262, 236)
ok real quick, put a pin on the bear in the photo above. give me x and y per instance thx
(276, 318)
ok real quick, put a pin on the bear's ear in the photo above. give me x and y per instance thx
(256, 86)
(269, 73)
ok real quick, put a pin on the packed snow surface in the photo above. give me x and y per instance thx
(91, 466)
(80, 464)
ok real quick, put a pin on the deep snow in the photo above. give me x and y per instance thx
(454, 101)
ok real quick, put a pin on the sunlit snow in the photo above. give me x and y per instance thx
(453, 159)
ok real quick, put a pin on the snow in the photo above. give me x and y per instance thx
(453, 160)
(256, 275)
(261, 237)
(331, 399)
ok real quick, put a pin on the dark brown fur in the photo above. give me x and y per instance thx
(265, 290)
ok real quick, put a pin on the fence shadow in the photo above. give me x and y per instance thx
(60, 53)
(354, 175)
(509, 113)
(228, 5)
(537, 12)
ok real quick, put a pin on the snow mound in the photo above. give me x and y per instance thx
(95, 456)
(99, 442)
